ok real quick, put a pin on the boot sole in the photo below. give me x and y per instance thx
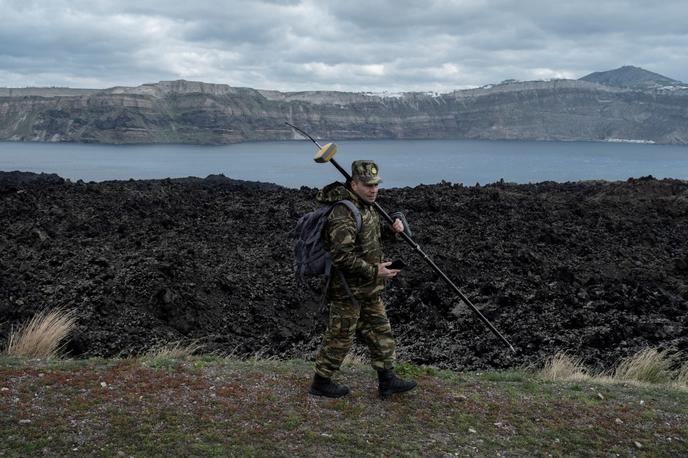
(388, 394)
(327, 395)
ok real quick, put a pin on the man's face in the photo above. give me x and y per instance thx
(367, 192)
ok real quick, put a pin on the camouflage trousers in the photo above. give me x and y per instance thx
(369, 322)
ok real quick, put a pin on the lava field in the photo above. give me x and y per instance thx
(599, 269)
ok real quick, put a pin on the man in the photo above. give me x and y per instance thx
(357, 281)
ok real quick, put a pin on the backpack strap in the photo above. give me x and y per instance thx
(328, 278)
(356, 212)
(348, 290)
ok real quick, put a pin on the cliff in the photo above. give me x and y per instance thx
(196, 112)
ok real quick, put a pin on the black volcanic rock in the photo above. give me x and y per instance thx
(595, 268)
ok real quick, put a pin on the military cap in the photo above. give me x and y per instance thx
(365, 172)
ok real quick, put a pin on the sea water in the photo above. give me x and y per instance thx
(401, 162)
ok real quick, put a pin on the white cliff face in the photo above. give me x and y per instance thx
(196, 112)
(525, 86)
(164, 88)
(44, 92)
(319, 97)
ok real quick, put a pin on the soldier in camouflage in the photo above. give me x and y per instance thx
(358, 256)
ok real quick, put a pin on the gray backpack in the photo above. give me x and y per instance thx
(311, 256)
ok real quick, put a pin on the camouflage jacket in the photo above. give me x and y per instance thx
(355, 254)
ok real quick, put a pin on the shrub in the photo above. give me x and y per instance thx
(41, 337)
(562, 366)
(649, 366)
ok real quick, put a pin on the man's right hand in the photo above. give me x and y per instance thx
(384, 272)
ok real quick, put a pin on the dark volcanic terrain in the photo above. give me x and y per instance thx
(596, 268)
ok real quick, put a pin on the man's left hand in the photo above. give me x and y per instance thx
(398, 226)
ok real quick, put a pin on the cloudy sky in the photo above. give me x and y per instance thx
(350, 45)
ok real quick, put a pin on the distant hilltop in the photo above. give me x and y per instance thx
(633, 77)
(625, 104)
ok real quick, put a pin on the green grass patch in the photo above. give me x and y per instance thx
(504, 376)
(411, 370)
(214, 406)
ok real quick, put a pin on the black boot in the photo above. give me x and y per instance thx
(391, 384)
(322, 386)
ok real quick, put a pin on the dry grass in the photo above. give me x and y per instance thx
(682, 376)
(175, 350)
(563, 366)
(648, 366)
(357, 356)
(42, 336)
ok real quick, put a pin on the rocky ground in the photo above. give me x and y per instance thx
(596, 268)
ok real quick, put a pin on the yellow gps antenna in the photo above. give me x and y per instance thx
(326, 153)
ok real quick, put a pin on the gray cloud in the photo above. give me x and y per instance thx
(356, 45)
